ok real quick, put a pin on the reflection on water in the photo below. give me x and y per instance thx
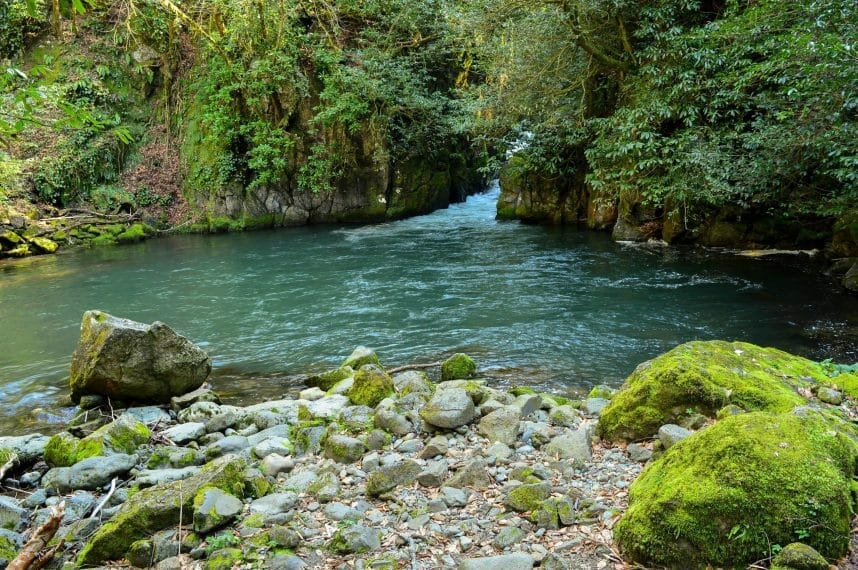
(558, 307)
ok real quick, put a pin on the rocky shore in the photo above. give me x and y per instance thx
(714, 454)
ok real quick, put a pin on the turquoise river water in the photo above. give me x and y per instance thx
(561, 308)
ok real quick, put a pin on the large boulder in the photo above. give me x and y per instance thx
(132, 361)
(449, 409)
(724, 495)
(160, 507)
(703, 377)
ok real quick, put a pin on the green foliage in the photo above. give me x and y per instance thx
(299, 94)
(18, 22)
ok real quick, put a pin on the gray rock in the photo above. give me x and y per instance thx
(474, 474)
(309, 439)
(325, 488)
(508, 536)
(328, 407)
(28, 448)
(554, 562)
(454, 497)
(388, 477)
(670, 434)
(202, 394)
(12, 514)
(311, 394)
(356, 418)
(409, 446)
(300, 480)
(412, 382)
(286, 562)
(574, 447)
(150, 477)
(199, 412)
(180, 434)
(501, 425)
(434, 473)
(377, 439)
(392, 422)
(355, 539)
(216, 510)
(829, 396)
(501, 452)
(344, 449)
(449, 409)
(285, 537)
(565, 416)
(34, 500)
(638, 453)
(131, 361)
(437, 445)
(221, 422)
(594, 406)
(516, 561)
(89, 474)
(360, 356)
(272, 445)
(150, 415)
(274, 504)
(275, 464)
(340, 512)
(279, 430)
(229, 444)
(527, 403)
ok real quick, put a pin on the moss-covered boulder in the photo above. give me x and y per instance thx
(703, 377)
(371, 386)
(44, 245)
(798, 556)
(159, 507)
(360, 356)
(329, 379)
(132, 361)
(458, 367)
(135, 233)
(123, 435)
(723, 496)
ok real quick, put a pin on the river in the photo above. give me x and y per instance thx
(561, 308)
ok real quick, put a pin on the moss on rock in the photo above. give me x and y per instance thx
(327, 380)
(371, 386)
(723, 496)
(123, 435)
(703, 377)
(158, 507)
(458, 367)
(137, 232)
(798, 556)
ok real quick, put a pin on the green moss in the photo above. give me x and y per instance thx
(704, 377)
(601, 392)
(8, 548)
(256, 485)
(256, 520)
(158, 507)
(458, 367)
(328, 379)
(371, 386)
(224, 559)
(61, 450)
(137, 232)
(104, 239)
(522, 390)
(845, 382)
(798, 556)
(528, 497)
(724, 495)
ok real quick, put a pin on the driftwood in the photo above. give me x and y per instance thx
(104, 499)
(7, 466)
(34, 555)
(414, 367)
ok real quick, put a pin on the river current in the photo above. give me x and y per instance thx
(561, 308)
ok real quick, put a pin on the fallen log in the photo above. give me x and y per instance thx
(35, 555)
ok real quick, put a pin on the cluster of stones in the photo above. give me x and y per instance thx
(371, 470)
(21, 236)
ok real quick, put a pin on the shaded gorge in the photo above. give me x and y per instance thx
(560, 308)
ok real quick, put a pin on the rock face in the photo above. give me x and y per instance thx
(127, 360)
(722, 496)
(449, 409)
(703, 377)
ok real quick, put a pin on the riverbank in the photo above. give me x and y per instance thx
(367, 469)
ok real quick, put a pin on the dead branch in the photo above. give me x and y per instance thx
(414, 367)
(8, 465)
(104, 499)
(34, 556)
